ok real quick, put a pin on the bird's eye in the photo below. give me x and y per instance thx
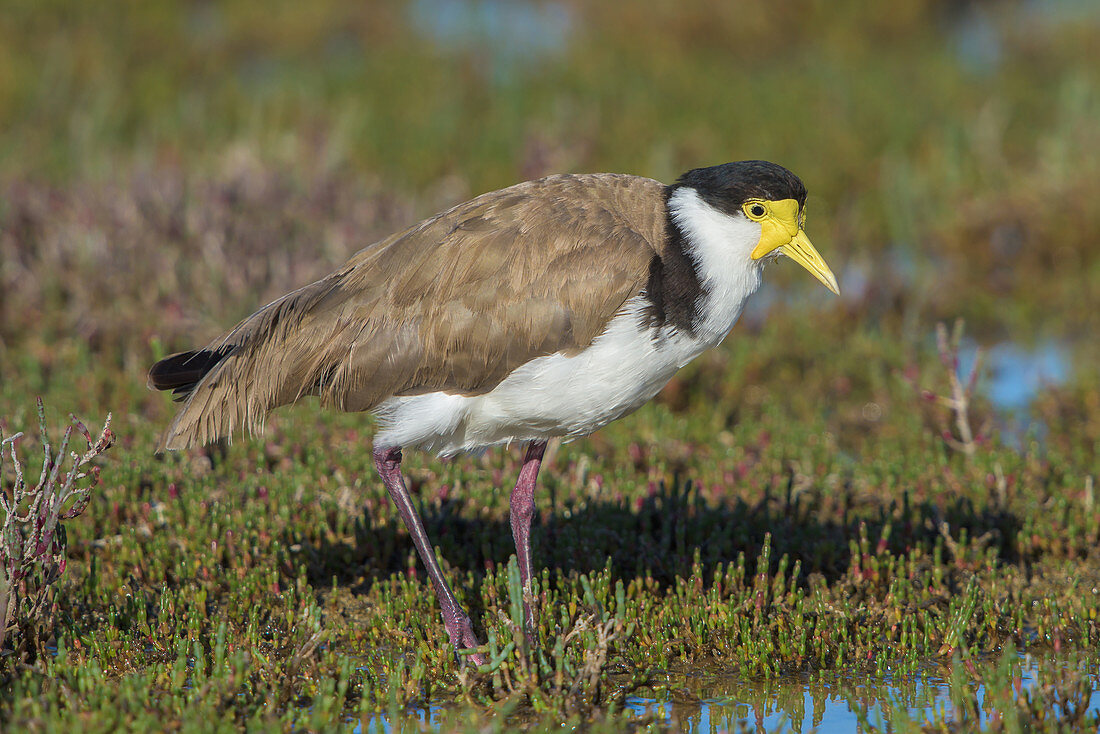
(755, 210)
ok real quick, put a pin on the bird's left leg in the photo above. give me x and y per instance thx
(522, 512)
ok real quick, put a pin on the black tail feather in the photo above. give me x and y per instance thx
(181, 372)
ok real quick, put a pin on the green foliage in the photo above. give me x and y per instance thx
(789, 512)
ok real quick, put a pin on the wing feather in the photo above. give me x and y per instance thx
(452, 304)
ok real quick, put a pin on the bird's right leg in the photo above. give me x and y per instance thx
(387, 460)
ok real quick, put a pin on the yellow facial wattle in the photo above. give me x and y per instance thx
(781, 229)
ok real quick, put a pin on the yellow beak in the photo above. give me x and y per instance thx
(802, 252)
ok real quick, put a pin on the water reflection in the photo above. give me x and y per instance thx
(835, 706)
(712, 703)
(841, 705)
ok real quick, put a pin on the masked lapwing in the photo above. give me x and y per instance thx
(546, 309)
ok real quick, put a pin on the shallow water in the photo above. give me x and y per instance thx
(726, 703)
(978, 33)
(1012, 377)
(514, 34)
(1015, 374)
(835, 706)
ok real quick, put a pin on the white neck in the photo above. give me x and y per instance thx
(720, 245)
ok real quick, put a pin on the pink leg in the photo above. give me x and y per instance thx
(388, 462)
(522, 512)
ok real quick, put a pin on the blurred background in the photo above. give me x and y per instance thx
(166, 166)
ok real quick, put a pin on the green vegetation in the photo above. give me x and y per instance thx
(802, 504)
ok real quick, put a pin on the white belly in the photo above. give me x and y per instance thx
(550, 396)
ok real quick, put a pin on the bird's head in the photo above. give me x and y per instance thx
(770, 202)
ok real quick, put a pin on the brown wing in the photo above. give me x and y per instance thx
(454, 303)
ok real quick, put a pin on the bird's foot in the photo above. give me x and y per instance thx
(461, 632)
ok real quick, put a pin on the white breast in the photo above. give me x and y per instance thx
(624, 368)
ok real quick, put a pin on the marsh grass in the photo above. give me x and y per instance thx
(788, 509)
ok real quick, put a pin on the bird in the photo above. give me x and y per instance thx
(543, 310)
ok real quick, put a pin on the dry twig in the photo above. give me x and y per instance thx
(32, 536)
